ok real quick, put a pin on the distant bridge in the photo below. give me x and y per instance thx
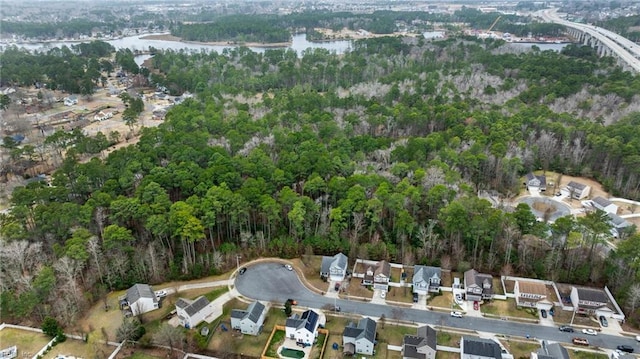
(607, 43)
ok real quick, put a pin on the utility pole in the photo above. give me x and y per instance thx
(238, 261)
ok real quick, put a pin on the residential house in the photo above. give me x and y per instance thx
(533, 182)
(359, 339)
(618, 223)
(426, 279)
(249, 321)
(531, 294)
(604, 204)
(378, 276)
(303, 329)
(101, 116)
(420, 346)
(478, 348)
(193, 312)
(141, 299)
(477, 286)
(577, 190)
(71, 100)
(593, 301)
(334, 268)
(550, 351)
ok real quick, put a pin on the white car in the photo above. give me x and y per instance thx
(638, 338)
(589, 332)
(161, 293)
(456, 314)
(288, 266)
(383, 294)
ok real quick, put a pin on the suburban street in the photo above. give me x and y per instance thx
(272, 282)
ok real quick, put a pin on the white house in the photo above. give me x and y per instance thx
(577, 190)
(423, 345)
(359, 339)
(141, 299)
(618, 223)
(426, 279)
(101, 116)
(531, 294)
(534, 182)
(478, 348)
(193, 312)
(303, 329)
(595, 301)
(378, 276)
(70, 100)
(604, 204)
(249, 321)
(334, 268)
(477, 286)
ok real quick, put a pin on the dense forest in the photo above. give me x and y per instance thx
(380, 153)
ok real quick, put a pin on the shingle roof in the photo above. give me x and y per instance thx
(601, 201)
(425, 273)
(577, 185)
(473, 277)
(339, 260)
(138, 291)
(618, 221)
(481, 347)
(425, 336)
(552, 350)
(183, 303)
(253, 313)
(237, 313)
(308, 320)
(383, 268)
(529, 287)
(196, 306)
(592, 295)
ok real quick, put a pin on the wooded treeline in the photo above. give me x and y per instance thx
(379, 153)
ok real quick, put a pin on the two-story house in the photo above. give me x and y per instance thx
(478, 348)
(304, 328)
(359, 339)
(477, 286)
(378, 276)
(193, 312)
(334, 268)
(249, 321)
(426, 279)
(531, 294)
(141, 299)
(590, 301)
(604, 204)
(420, 346)
(577, 190)
(533, 182)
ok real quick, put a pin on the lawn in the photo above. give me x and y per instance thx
(497, 286)
(446, 355)
(310, 268)
(28, 342)
(400, 294)
(510, 285)
(99, 321)
(78, 348)
(579, 354)
(520, 349)
(507, 308)
(446, 278)
(393, 334)
(564, 317)
(356, 289)
(448, 339)
(276, 340)
(139, 355)
(443, 300)
(395, 274)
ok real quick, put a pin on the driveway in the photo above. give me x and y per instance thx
(272, 282)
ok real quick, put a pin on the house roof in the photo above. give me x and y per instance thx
(183, 303)
(138, 291)
(618, 221)
(339, 261)
(308, 320)
(532, 287)
(576, 185)
(481, 347)
(425, 336)
(253, 313)
(473, 277)
(602, 202)
(195, 306)
(592, 295)
(366, 329)
(541, 178)
(349, 348)
(383, 268)
(553, 351)
(425, 273)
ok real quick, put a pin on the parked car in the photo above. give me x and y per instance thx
(580, 341)
(383, 294)
(337, 286)
(543, 313)
(566, 328)
(456, 314)
(415, 297)
(242, 270)
(625, 348)
(336, 308)
(638, 338)
(476, 306)
(603, 321)
(589, 332)
(161, 293)
(171, 314)
(288, 266)
(292, 301)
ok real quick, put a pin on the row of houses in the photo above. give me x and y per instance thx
(573, 189)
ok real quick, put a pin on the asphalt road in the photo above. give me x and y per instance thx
(272, 282)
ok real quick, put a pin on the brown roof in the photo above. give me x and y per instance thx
(532, 287)
(383, 268)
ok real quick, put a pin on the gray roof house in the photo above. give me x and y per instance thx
(141, 299)
(595, 301)
(378, 276)
(359, 339)
(551, 351)
(477, 286)
(604, 204)
(426, 279)
(478, 348)
(303, 329)
(193, 312)
(618, 223)
(577, 190)
(249, 321)
(420, 346)
(536, 182)
(334, 268)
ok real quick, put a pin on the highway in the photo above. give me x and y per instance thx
(625, 49)
(272, 282)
